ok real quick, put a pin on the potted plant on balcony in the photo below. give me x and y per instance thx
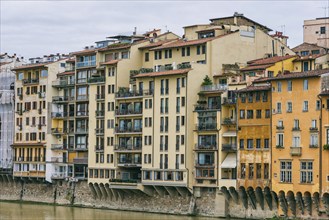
(326, 147)
(206, 81)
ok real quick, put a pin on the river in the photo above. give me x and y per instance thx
(18, 211)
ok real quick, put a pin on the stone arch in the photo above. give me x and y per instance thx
(226, 193)
(316, 201)
(283, 202)
(92, 189)
(260, 196)
(291, 202)
(243, 196)
(325, 200)
(234, 194)
(308, 202)
(300, 202)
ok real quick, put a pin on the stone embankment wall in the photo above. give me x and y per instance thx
(209, 203)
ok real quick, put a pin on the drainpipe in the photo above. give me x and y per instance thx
(320, 147)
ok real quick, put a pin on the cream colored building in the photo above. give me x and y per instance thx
(316, 31)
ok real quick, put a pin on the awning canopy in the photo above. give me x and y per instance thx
(229, 134)
(229, 161)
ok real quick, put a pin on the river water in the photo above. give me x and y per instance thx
(18, 211)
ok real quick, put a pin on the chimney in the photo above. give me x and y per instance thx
(135, 31)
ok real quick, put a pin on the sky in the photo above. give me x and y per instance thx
(37, 28)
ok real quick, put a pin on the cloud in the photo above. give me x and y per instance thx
(35, 28)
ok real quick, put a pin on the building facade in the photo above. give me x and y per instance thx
(316, 31)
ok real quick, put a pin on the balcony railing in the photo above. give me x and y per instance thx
(57, 131)
(126, 93)
(99, 148)
(81, 130)
(99, 131)
(130, 162)
(57, 160)
(229, 147)
(214, 88)
(295, 151)
(128, 129)
(206, 107)
(58, 175)
(58, 114)
(205, 164)
(86, 63)
(279, 127)
(296, 128)
(82, 114)
(100, 96)
(314, 129)
(128, 147)
(63, 83)
(229, 101)
(60, 99)
(80, 160)
(81, 147)
(100, 79)
(58, 147)
(206, 146)
(99, 113)
(30, 81)
(228, 121)
(206, 126)
(128, 111)
(82, 98)
(20, 95)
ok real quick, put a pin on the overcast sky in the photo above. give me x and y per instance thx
(37, 28)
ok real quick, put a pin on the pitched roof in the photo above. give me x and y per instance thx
(4, 63)
(163, 73)
(116, 46)
(295, 75)
(324, 93)
(310, 57)
(66, 73)
(253, 88)
(265, 63)
(156, 44)
(86, 51)
(111, 62)
(30, 66)
(306, 46)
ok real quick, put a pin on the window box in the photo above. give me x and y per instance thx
(279, 146)
(326, 147)
(314, 146)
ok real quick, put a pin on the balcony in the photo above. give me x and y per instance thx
(227, 182)
(89, 63)
(82, 98)
(209, 164)
(314, 129)
(58, 175)
(206, 146)
(57, 131)
(99, 113)
(20, 96)
(30, 81)
(204, 107)
(206, 127)
(128, 111)
(128, 129)
(55, 115)
(128, 147)
(63, 83)
(99, 131)
(82, 114)
(100, 79)
(280, 127)
(80, 160)
(296, 129)
(61, 99)
(81, 130)
(228, 121)
(19, 112)
(229, 101)
(57, 160)
(100, 97)
(214, 88)
(130, 162)
(58, 147)
(295, 151)
(229, 147)
(81, 147)
(99, 148)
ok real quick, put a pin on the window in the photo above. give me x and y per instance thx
(124, 55)
(270, 74)
(315, 52)
(258, 143)
(295, 141)
(251, 171)
(279, 140)
(250, 97)
(198, 50)
(157, 55)
(314, 140)
(243, 170)
(304, 53)
(266, 143)
(183, 82)
(305, 84)
(306, 172)
(241, 143)
(258, 170)
(266, 171)
(296, 124)
(313, 124)
(318, 105)
(278, 107)
(289, 88)
(250, 143)
(285, 171)
(242, 114)
(44, 73)
(305, 106)
(289, 107)
(279, 86)
(183, 101)
(147, 57)
(168, 54)
(267, 113)
(258, 113)
(322, 30)
(250, 114)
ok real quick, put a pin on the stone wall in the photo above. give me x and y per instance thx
(214, 203)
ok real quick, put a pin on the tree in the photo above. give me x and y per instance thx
(206, 81)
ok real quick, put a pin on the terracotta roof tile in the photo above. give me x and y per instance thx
(155, 44)
(271, 60)
(118, 46)
(30, 66)
(4, 63)
(256, 67)
(66, 73)
(307, 74)
(109, 62)
(311, 57)
(324, 93)
(82, 52)
(255, 88)
(163, 73)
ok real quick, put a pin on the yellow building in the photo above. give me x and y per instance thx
(297, 157)
(254, 136)
(31, 118)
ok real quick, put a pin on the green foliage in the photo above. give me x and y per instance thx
(206, 81)
(326, 147)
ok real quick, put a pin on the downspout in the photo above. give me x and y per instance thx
(271, 138)
(320, 146)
